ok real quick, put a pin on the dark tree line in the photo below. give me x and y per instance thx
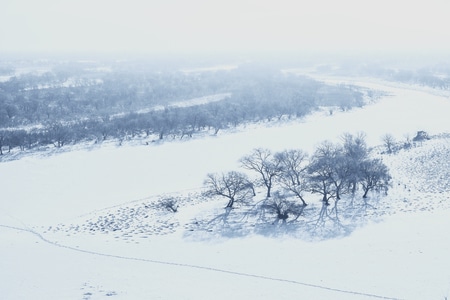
(67, 106)
(333, 170)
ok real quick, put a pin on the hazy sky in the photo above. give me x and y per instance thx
(231, 25)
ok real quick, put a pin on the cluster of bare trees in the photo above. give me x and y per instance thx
(392, 145)
(333, 170)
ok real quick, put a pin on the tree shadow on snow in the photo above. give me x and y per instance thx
(316, 221)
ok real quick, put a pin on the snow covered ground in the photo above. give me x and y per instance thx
(58, 215)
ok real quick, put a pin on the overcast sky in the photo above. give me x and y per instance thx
(231, 25)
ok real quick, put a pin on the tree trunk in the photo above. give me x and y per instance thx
(253, 189)
(353, 187)
(268, 191)
(365, 193)
(230, 203)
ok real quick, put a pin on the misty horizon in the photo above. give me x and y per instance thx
(233, 28)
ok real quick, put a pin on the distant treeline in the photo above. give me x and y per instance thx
(435, 76)
(71, 105)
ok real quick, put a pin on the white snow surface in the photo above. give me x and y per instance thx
(50, 205)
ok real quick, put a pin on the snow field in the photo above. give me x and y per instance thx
(401, 253)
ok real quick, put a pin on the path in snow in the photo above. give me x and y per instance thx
(205, 268)
(45, 191)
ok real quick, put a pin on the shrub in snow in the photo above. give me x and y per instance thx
(282, 207)
(169, 203)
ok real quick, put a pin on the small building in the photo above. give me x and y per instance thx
(421, 136)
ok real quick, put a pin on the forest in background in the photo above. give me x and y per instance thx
(57, 103)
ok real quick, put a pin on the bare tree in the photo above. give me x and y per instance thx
(234, 186)
(355, 152)
(294, 175)
(4, 135)
(165, 122)
(265, 164)
(329, 171)
(355, 146)
(343, 174)
(389, 142)
(320, 174)
(374, 176)
(408, 141)
(59, 134)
